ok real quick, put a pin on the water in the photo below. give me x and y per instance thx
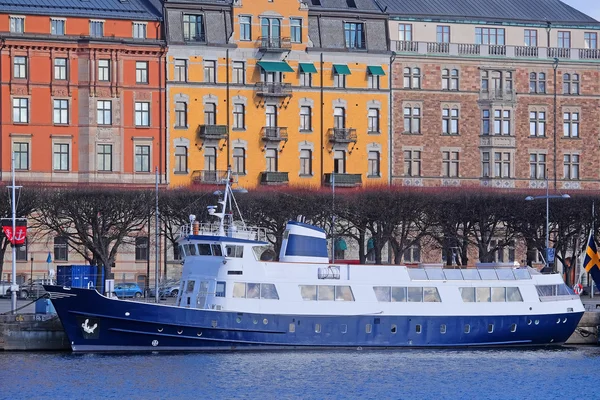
(405, 374)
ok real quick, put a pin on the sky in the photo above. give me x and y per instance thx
(589, 7)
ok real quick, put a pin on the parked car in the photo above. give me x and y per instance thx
(35, 288)
(22, 293)
(165, 289)
(128, 289)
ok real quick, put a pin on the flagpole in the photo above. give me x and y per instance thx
(13, 286)
(591, 236)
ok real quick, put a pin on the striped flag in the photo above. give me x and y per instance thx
(591, 261)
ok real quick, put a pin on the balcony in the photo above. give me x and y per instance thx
(274, 134)
(342, 180)
(497, 95)
(499, 141)
(274, 44)
(273, 89)
(208, 177)
(273, 178)
(342, 135)
(212, 132)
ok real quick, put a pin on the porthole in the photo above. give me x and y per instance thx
(467, 328)
(394, 328)
(344, 328)
(265, 321)
(179, 331)
(160, 329)
(418, 328)
(368, 328)
(490, 328)
(537, 322)
(558, 321)
(255, 321)
(564, 321)
(443, 329)
(318, 328)
(238, 320)
(199, 334)
(513, 328)
(292, 328)
(528, 322)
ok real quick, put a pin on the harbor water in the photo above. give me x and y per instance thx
(349, 374)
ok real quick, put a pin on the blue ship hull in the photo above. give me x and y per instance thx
(95, 323)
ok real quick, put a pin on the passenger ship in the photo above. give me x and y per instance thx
(233, 297)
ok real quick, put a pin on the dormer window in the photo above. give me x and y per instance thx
(17, 24)
(193, 28)
(354, 32)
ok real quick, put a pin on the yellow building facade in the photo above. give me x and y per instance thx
(281, 91)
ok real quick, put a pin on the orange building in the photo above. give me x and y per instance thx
(82, 91)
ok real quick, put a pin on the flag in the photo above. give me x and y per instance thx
(16, 238)
(591, 261)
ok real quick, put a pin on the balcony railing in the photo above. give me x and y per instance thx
(208, 177)
(559, 52)
(497, 50)
(498, 94)
(342, 135)
(215, 132)
(274, 134)
(273, 89)
(273, 178)
(268, 43)
(526, 51)
(435, 47)
(342, 180)
(589, 54)
(407, 46)
(469, 49)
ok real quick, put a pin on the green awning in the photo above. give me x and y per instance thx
(340, 244)
(275, 66)
(376, 70)
(308, 68)
(341, 69)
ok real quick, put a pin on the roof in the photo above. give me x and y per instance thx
(343, 5)
(540, 11)
(117, 9)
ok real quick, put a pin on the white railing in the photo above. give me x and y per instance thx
(497, 50)
(589, 54)
(237, 231)
(526, 51)
(559, 52)
(469, 49)
(435, 47)
(407, 46)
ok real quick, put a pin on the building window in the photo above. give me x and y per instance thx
(571, 166)
(142, 158)
(181, 159)
(60, 69)
(210, 161)
(485, 164)
(239, 116)
(485, 122)
(591, 40)
(339, 80)
(271, 116)
(17, 24)
(450, 164)
(339, 162)
(210, 114)
(271, 156)
(21, 254)
(412, 254)
(61, 111)
(443, 34)
(105, 157)
(537, 82)
(502, 165)
(531, 37)
(61, 248)
(180, 71)
(245, 28)
(139, 30)
(141, 249)
(271, 31)
(141, 72)
(373, 120)
(210, 71)
(104, 112)
(571, 124)
(412, 78)
(502, 122)
(21, 155)
(564, 39)
(493, 36)
(355, 35)
(571, 84)
(305, 119)
(339, 118)
(305, 79)
(104, 70)
(450, 121)
(412, 163)
(373, 81)
(239, 72)
(96, 28)
(180, 114)
(537, 166)
(449, 79)
(373, 164)
(305, 162)
(20, 67)
(296, 30)
(405, 32)
(20, 111)
(193, 28)
(142, 113)
(239, 160)
(537, 123)
(61, 157)
(57, 27)
(412, 120)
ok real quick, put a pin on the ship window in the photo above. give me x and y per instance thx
(368, 328)
(252, 290)
(344, 328)
(239, 290)
(467, 294)
(234, 251)
(382, 293)
(394, 328)
(488, 274)
(513, 294)
(467, 328)
(490, 328)
(522, 273)
(190, 286)
(417, 274)
(418, 328)
(325, 292)
(435, 274)
(431, 295)
(318, 328)
(308, 292)
(399, 294)
(220, 290)
(498, 294)
(513, 328)
(190, 249)
(505, 274)
(216, 249)
(343, 293)
(453, 274)
(182, 251)
(483, 294)
(292, 327)
(268, 291)
(471, 274)
(442, 329)
(204, 249)
(415, 294)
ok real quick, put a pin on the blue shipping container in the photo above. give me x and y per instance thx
(79, 276)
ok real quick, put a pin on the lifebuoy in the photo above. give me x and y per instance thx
(578, 288)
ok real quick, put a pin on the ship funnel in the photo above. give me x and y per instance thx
(303, 243)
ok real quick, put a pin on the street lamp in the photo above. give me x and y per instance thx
(548, 197)
(555, 66)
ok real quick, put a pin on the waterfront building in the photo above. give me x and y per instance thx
(284, 91)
